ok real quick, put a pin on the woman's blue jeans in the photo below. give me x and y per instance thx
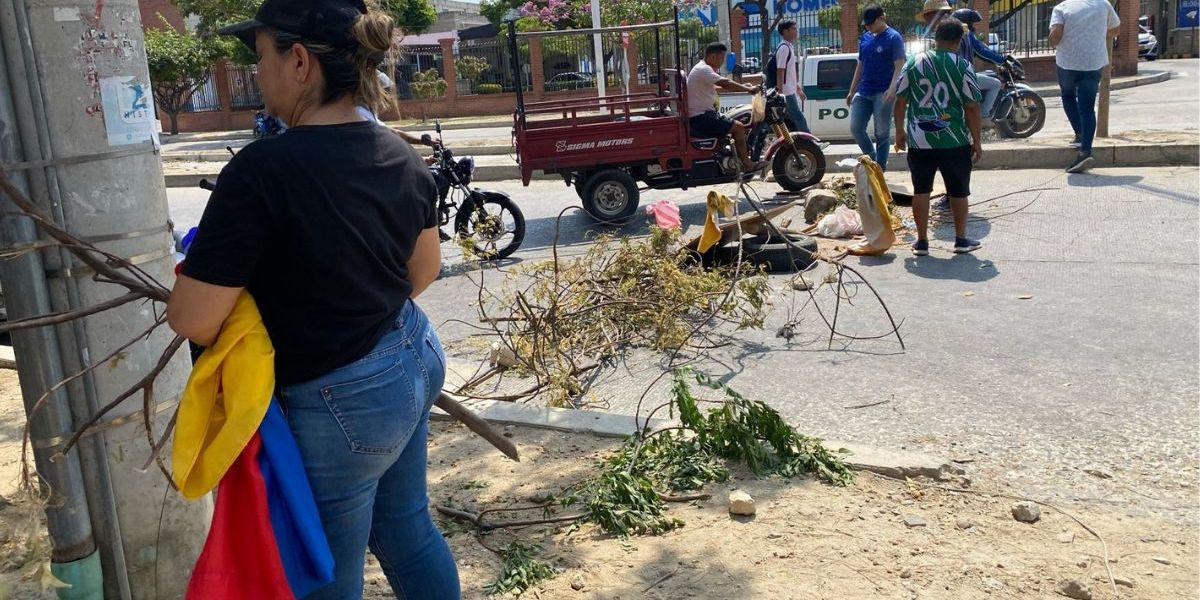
(362, 431)
(868, 108)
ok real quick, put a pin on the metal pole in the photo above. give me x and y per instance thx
(598, 48)
(89, 60)
(724, 31)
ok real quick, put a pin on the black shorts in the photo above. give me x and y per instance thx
(711, 124)
(953, 163)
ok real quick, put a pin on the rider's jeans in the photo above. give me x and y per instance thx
(1079, 90)
(867, 108)
(990, 86)
(796, 114)
(362, 431)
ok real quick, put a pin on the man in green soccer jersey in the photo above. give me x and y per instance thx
(937, 114)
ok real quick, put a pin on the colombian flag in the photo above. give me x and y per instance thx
(266, 540)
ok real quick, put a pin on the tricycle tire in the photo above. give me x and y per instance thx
(777, 255)
(793, 175)
(611, 197)
(467, 227)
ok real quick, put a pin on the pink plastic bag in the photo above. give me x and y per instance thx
(665, 213)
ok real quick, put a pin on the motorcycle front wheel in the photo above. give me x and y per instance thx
(1027, 116)
(490, 225)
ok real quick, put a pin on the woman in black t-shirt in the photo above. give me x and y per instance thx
(332, 228)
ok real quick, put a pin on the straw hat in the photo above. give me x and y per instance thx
(933, 6)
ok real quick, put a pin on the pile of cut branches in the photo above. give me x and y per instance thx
(562, 317)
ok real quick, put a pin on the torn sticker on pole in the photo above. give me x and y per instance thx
(128, 110)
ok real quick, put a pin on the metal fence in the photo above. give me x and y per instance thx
(1023, 31)
(243, 87)
(569, 62)
(204, 99)
(812, 35)
(415, 59)
(499, 76)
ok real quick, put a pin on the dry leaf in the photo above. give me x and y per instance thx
(1025, 297)
(968, 293)
(47, 579)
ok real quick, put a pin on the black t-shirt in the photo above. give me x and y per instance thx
(318, 224)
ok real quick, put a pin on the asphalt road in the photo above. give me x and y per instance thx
(1096, 370)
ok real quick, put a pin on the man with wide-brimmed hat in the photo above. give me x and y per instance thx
(931, 13)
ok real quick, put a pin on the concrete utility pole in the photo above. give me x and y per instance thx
(600, 69)
(76, 132)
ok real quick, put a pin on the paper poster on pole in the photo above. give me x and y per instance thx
(128, 110)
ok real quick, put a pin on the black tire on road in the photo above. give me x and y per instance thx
(493, 221)
(794, 173)
(777, 255)
(580, 184)
(1026, 117)
(611, 197)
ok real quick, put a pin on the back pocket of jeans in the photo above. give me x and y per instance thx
(376, 413)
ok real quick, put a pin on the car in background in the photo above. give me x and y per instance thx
(1147, 44)
(570, 81)
(997, 44)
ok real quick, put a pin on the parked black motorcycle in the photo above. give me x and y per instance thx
(487, 222)
(1019, 111)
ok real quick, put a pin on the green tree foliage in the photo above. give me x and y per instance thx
(471, 67)
(180, 63)
(495, 10)
(901, 14)
(412, 16)
(427, 85)
(830, 17)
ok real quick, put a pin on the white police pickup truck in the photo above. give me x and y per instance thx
(826, 81)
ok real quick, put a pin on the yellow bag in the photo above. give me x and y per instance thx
(717, 202)
(758, 108)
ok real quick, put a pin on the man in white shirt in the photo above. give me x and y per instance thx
(787, 74)
(703, 119)
(1081, 32)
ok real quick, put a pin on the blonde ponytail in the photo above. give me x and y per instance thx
(375, 33)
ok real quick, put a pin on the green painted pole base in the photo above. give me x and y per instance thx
(84, 577)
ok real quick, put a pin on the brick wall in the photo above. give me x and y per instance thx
(150, 10)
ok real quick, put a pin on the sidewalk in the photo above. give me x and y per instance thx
(1128, 149)
(1044, 89)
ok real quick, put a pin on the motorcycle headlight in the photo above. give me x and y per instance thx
(466, 167)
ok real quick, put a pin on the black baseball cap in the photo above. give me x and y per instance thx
(324, 21)
(872, 14)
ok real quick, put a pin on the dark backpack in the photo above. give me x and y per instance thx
(771, 72)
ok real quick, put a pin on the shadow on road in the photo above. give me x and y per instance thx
(1096, 180)
(959, 267)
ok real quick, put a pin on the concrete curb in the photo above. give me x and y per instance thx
(1032, 157)
(1053, 91)
(893, 463)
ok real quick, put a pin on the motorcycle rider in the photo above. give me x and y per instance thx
(972, 47)
(703, 119)
(388, 86)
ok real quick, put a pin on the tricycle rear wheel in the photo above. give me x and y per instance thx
(611, 196)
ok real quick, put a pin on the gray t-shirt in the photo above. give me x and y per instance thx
(1085, 23)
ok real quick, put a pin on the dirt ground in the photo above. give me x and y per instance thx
(808, 540)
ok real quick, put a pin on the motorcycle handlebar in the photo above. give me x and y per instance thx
(207, 185)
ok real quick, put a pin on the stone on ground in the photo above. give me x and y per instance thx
(1026, 512)
(741, 503)
(1074, 588)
